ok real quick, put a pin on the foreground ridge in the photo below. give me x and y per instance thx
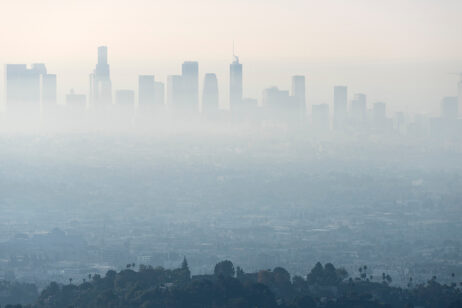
(324, 286)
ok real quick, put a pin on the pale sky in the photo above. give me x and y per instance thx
(398, 51)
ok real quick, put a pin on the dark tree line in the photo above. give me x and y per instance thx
(231, 287)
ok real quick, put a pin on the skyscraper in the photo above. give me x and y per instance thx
(159, 94)
(358, 107)
(299, 93)
(340, 107)
(100, 82)
(460, 93)
(49, 87)
(275, 99)
(280, 106)
(449, 108)
(146, 91)
(190, 85)
(210, 94)
(379, 111)
(76, 103)
(320, 117)
(125, 98)
(23, 87)
(174, 92)
(235, 84)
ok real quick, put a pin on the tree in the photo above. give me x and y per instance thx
(185, 269)
(239, 272)
(224, 268)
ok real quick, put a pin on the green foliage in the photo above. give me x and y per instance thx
(224, 268)
(324, 287)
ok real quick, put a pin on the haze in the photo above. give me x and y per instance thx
(397, 51)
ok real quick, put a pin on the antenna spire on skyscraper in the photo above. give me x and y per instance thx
(236, 58)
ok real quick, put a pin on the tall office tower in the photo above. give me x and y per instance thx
(340, 107)
(275, 99)
(280, 105)
(358, 107)
(379, 111)
(210, 94)
(190, 81)
(460, 93)
(124, 105)
(40, 68)
(146, 91)
(299, 92)
(175, 92)
(125, 98)
(320, 117)
(159, 94)
(235, 84)
(76, 103)
(100, 82)
(23, 90)
(449, 108)
(49, 87)
(74, 111)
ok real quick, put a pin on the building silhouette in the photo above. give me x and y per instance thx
(449, 108)
(358, 109)
(159, 94)
(100, 82)
(76, 103)
(190, 86)
(146, 91)
(235, 84)
(49, 90)
(340, 107)
(379, 116)
(459, 88)
(27, 87)
(320, 117)
(299, 93)
(210, 99)
(75, 110)
(174, 92)
(125, 98)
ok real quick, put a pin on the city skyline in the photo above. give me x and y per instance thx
(186, 91)
(405, 62)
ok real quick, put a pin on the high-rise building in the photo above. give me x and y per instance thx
(125, 98)
(275, 99)
(460, 93)
(358, 107)
(100, 82)
(320, 117)
(299, 92)
(125, 103)
(146, 91)
(380, 111)
(190, 85)
(210, 94)
(23, 87)
(174, 92)
(159, 94)
(380, 121)
(449, 108)
(340, 107)
(280, 105)
(76, 103)
(235, 84)
(49, 89)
